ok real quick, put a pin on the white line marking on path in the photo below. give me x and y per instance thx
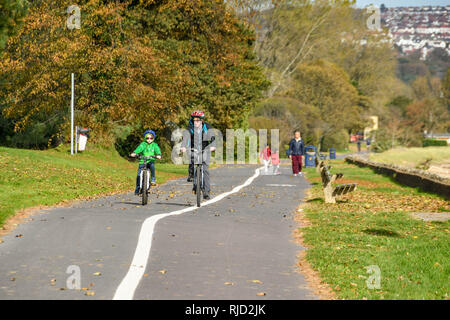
(281, 185)
(127, 287)
(190, 184)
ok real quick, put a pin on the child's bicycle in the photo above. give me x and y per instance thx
(144, 179)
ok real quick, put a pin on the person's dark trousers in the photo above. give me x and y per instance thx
(296, 164)
(138, 178)
(191, 170)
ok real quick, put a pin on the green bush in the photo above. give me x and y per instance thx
(383, 141)
(434, 143)
(338, 140)
(40, 135)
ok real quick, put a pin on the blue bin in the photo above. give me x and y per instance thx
(310, 156)
(332, 153)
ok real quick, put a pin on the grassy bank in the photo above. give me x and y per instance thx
(413, 157)
(29, 177)
(373, 226)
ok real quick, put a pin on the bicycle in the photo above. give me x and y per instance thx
(145, 177)
(198, 181)
(199, 177)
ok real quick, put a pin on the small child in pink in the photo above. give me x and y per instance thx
(276, 162)
(265, 158)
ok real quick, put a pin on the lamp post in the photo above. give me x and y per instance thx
(71, 118)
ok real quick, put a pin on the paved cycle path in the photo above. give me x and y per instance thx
(235, 248)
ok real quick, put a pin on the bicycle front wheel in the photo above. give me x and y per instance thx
(144, 187)
(198, 189)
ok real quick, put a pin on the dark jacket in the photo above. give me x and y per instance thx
(208, 138)
(296, 148)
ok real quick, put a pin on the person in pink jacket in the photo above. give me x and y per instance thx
(264, 156)
(276, 162)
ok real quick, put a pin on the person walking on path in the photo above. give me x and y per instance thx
(296, 153)
(276, 162)
(368, 144)
(264, 156)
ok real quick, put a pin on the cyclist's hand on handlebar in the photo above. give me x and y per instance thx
(183, 149)
(133, 155)
(158, 156)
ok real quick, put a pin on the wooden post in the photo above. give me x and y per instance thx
(327, 187)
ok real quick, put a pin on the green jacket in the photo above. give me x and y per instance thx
(147, 150)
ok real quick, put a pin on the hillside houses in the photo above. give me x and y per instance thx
(418, 28)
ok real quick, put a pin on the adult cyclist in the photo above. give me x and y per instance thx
(199, 135)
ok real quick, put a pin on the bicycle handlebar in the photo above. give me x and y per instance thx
(145, 158)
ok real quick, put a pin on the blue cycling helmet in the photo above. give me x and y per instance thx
(151, 132)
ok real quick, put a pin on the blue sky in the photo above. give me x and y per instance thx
(402, 3)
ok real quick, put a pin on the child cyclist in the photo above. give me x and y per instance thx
(147, 148)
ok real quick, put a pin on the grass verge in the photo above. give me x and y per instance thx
(411, 157)
(30, 178)
(373, 226)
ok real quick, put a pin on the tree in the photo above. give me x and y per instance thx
(327, 88)
(446, 89)
(138, 63)
(429, 111)
(287, 114)
(294, 32)
(12, 13)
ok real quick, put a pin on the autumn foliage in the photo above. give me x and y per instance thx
(139, 63)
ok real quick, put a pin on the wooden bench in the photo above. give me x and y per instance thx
(330, 193)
